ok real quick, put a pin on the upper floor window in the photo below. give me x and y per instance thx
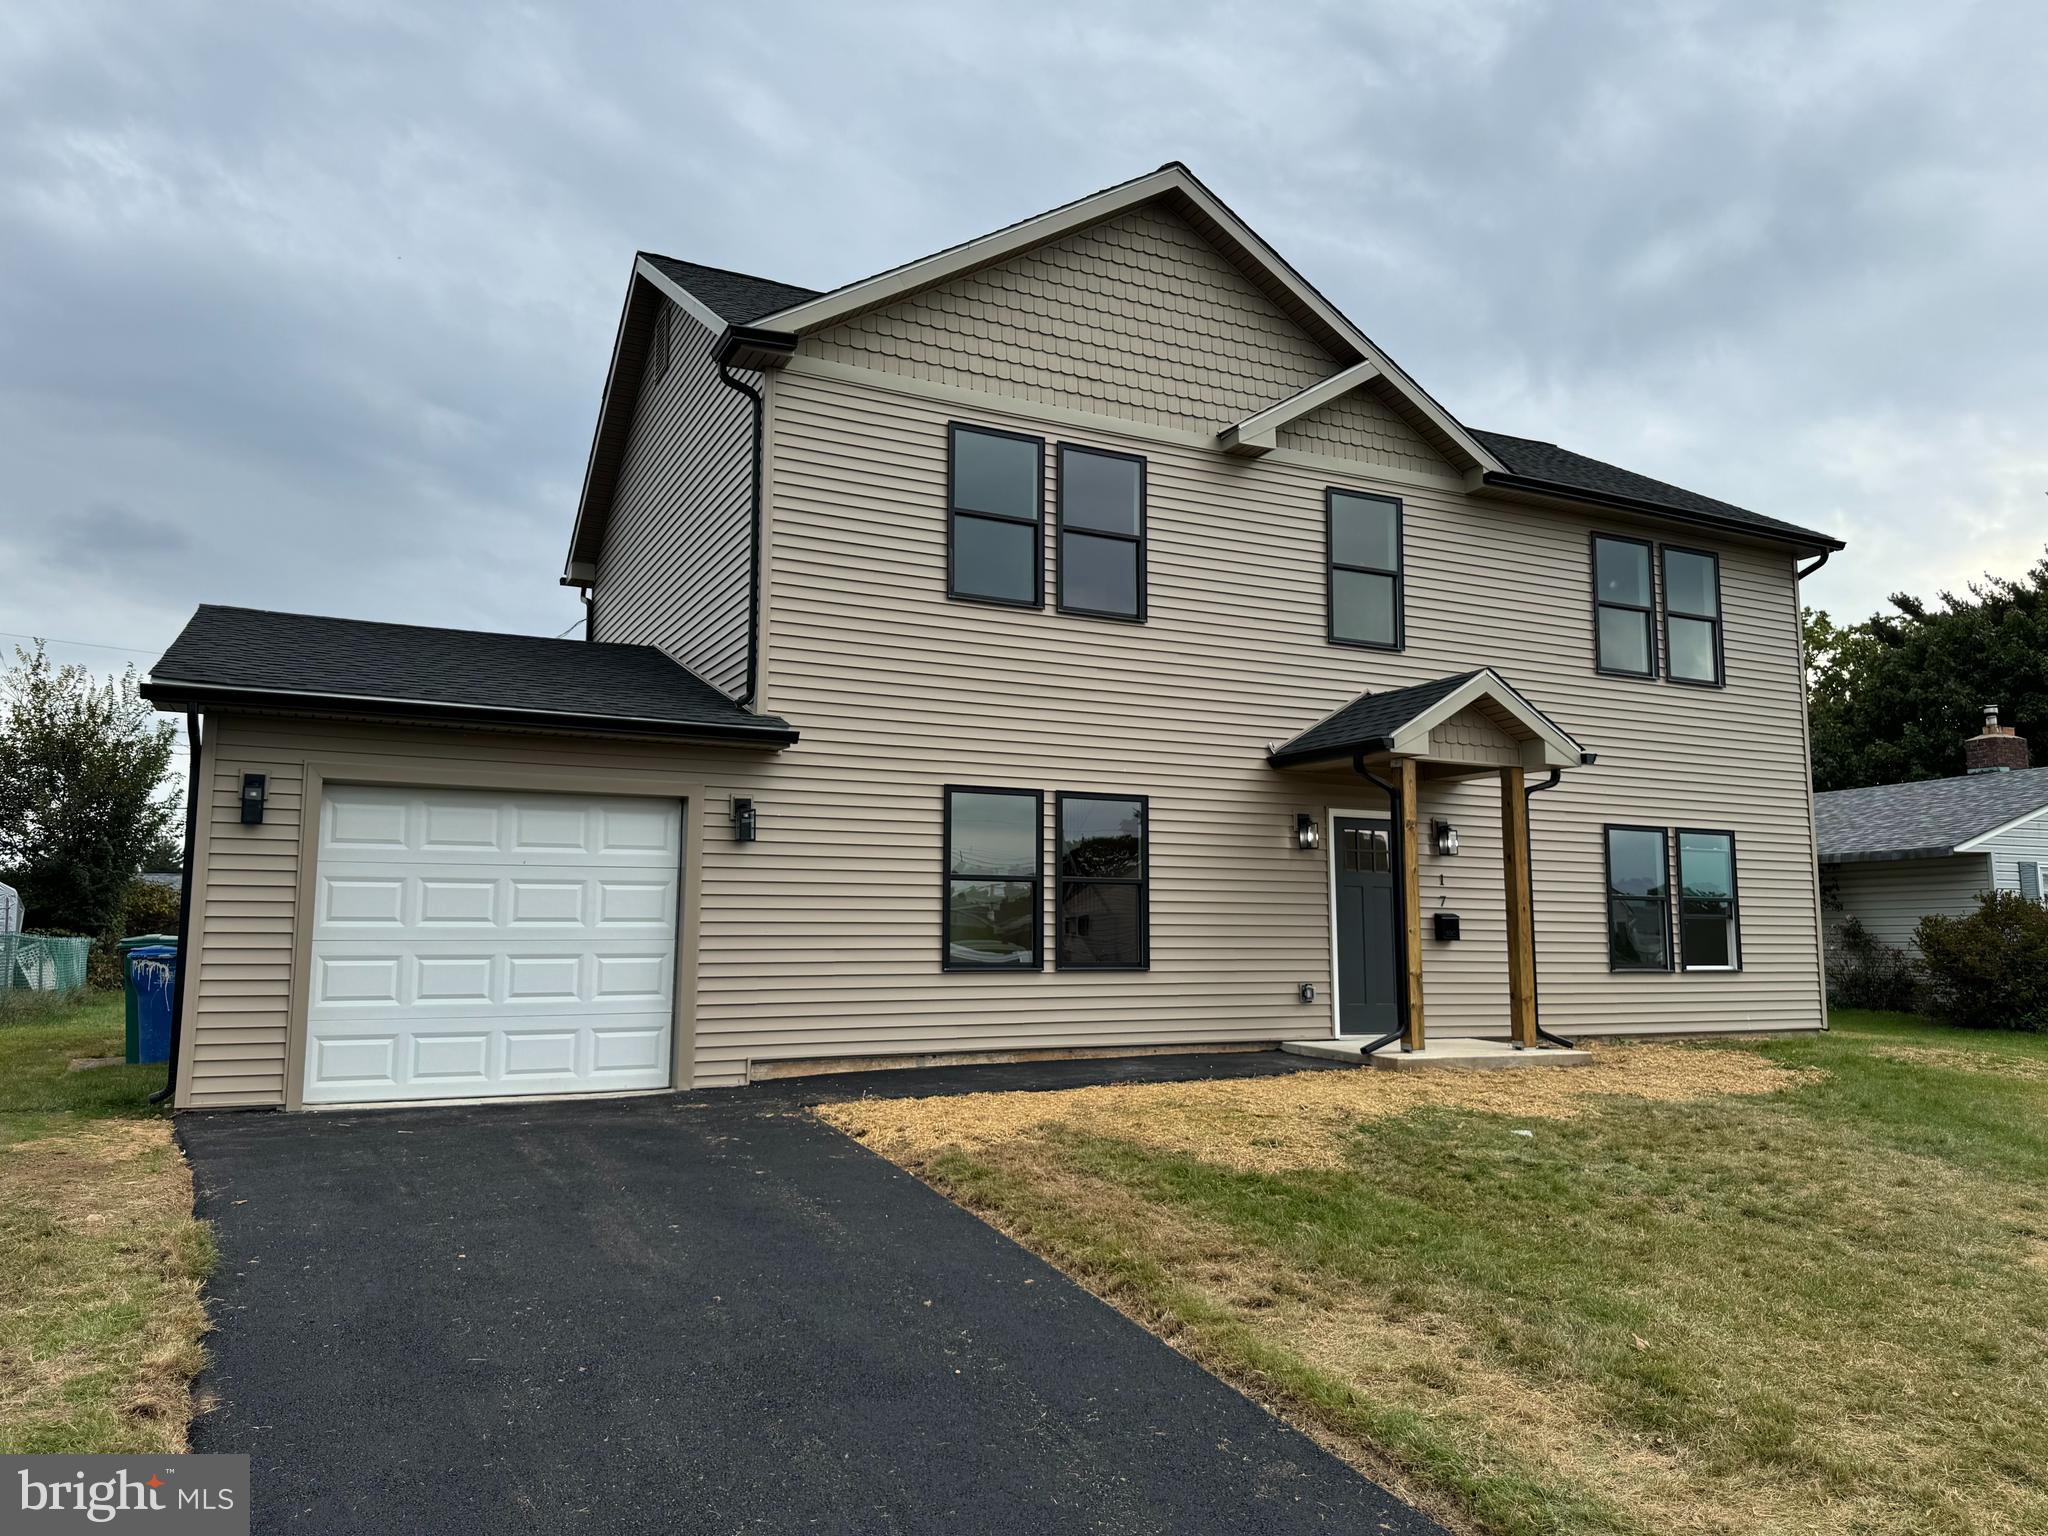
(1708, 934)
(1364, 541)
(1101, 533)
(1638, 899)
(1692, 616)
(1624, 600)
(995, 492)
(1104, 918)
(995, 872)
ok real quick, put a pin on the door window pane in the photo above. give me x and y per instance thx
(1099, 574)
(1624, 640)
(1692, 650)
(995, 559)
(1362, 607)
(1099, 491)
(1365, 531)
(996, 473)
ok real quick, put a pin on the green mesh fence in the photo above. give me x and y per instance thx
(31, 963)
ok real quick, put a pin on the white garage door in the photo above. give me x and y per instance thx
(469, 944)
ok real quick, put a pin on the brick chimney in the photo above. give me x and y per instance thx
(1999, 749)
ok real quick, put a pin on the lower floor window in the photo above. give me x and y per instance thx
(995, 869)
(1638, 899)
(1104, 920)
(1708, 920)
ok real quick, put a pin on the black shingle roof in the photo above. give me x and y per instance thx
(1924, 819)
(1369, 720)
(1530, 460)
(734, 297)
(297, 659)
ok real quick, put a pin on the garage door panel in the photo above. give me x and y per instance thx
(469, 943)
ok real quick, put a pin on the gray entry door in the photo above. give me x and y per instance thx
(1367, 977)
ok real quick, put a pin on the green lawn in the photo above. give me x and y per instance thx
(1819, 1309)
(100, 1259)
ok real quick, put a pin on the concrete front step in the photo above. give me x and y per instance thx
(1471, 1055)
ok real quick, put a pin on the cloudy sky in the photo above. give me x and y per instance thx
(308, 306)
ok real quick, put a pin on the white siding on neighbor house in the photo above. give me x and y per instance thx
(2027, 842)
(1890, 896)
(673, 569)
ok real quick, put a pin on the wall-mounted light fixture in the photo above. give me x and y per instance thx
(252, 799)
(1307, 835)
(1445, 837)
(742, 821)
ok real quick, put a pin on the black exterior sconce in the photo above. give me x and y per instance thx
(252, 799)
(742, 820)
(1307, 835)
(1444, 836)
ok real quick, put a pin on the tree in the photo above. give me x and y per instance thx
(81, 765)
(1892, 698)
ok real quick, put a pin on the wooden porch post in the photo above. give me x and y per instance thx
(1411, 902)
(1514, 836)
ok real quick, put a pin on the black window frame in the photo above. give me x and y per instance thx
(947, 877)
(1332, 565)
(954, 513)
(1143, 881)
(1649, 611)
(1678, 837)
(1720, 679)
(1060, 602)
(1607, 897)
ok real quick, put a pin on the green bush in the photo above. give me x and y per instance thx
(1988, 970)
(1863, 972)
(149, 908)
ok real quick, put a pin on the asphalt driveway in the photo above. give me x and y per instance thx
(690, 1314)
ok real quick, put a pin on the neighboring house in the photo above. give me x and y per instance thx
(170, 880)
(1084, 638)
(1893, 854)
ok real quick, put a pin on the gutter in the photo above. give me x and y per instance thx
(754, 342)
(173, 693)
(1509, 482)
(1529, 793)
(184, 906)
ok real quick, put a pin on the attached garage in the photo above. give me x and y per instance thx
(417, 876)
(473, 944)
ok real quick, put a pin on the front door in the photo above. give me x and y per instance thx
(1368, 978)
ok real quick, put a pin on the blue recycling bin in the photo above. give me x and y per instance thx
(153, 979)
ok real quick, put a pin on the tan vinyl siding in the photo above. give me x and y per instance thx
(1890, 896)
(899, 690)
(673, 569)
(1137, 317)
(1364, 427)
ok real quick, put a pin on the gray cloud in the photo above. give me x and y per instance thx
(321, 300)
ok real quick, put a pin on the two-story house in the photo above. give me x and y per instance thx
(1084, 639)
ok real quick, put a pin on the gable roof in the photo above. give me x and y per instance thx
(1400, 719)
(1928, 818)
(255, 658)
(739, 307)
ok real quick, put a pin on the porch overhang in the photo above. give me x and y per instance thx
(1410, 724)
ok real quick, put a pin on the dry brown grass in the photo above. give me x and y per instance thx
(1989, 1063)
(1302, 1119)
(100, 1269)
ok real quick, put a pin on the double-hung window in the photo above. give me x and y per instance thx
(1103, 915)
(995, 490)
(1101, 533)
(1708, 930)
(1364, 547)
(1638, 899)
(2030, 879)
(1692, 617)
(995, 873)
(1624, 604)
